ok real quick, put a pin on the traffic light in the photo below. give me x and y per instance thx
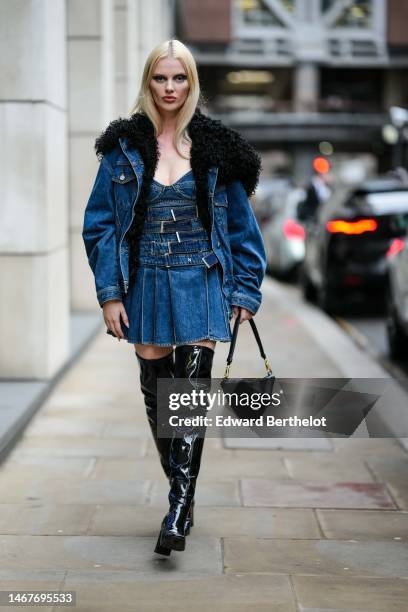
(321, 165)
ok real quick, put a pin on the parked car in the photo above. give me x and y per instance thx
(268, 197)
(284, 236)
(349, 241)
(397, 299)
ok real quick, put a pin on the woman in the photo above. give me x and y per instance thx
(174, 247)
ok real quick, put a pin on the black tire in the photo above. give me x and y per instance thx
(328, 299)
(396, 335)
(308, 289)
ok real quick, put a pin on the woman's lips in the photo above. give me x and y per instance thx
(169, 99)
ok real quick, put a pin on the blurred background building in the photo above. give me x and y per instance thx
(293, 73)
(297, 77)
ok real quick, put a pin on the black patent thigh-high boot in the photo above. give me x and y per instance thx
(192, 362)
(150, 371)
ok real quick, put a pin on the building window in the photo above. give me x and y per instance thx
(257, 13)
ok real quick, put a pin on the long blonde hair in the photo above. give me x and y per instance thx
(145, 103)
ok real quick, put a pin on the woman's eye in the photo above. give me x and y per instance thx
(180, 78)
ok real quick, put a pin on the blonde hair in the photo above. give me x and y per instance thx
(145, 103)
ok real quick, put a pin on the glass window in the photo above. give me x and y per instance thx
(357, 15)
(256, 13)
(388, 202)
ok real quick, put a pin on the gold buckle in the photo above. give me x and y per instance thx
(267, 366)
(227, 369)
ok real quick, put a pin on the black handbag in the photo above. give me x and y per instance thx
(241, 387)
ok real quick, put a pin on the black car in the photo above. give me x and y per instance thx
(349, 241)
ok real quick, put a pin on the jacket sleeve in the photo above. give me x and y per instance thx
(247, 249)
(99, 236)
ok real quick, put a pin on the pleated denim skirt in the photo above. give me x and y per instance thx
(177, 295)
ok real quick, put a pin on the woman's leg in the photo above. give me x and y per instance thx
(192, 362)
(155, 362)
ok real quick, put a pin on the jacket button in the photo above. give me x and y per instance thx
(122, 177)
(218, 244)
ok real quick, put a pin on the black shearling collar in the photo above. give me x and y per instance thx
(213, 144)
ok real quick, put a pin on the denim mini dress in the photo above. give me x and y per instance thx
(177, 295)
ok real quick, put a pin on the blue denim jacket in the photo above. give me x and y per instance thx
(235, 236)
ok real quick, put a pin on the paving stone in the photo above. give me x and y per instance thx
(389, 468)
(315, 593)
(30, 581)
(173, 589)
(97, 414)
(218, 521)
(73, 490)
(83, 446)
(319, 466)
(20, 465)
(126, 430)
(59, 426)
(399, 491)
(316, 557)
(201, 558)
(312, 494)
(279, 443)
(35, 518)
(207, 493)
(128, 469)
(368, 446)
(79, 400)
(364, 524)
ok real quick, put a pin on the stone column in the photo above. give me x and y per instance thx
(34, 305)
(91, 108)
(306, 87)
(121, 72)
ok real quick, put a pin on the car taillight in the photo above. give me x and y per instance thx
(293, 230)
(339, 226)
(395, 247)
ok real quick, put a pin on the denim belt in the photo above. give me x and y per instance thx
(161, 248)
(174, 236)
(170, 225)
(172, 213)
(168, 260)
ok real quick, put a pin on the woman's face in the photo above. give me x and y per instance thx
(169, 85)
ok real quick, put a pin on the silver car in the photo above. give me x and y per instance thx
(284, 235)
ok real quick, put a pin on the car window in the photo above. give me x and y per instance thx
(388, 202)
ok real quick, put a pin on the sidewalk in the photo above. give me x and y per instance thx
(281, 525)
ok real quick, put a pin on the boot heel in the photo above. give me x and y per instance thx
(162, 550)
(174, 542)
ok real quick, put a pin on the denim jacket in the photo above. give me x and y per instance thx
(235, 236)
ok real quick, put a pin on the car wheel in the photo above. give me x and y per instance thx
(397, 337)
(308, 289)
(327, 299)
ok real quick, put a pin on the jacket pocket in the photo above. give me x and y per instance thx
(125, 189)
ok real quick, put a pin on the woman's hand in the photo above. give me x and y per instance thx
(245, 314)
(113, 310)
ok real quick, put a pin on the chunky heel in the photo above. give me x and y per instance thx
(160, 549)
